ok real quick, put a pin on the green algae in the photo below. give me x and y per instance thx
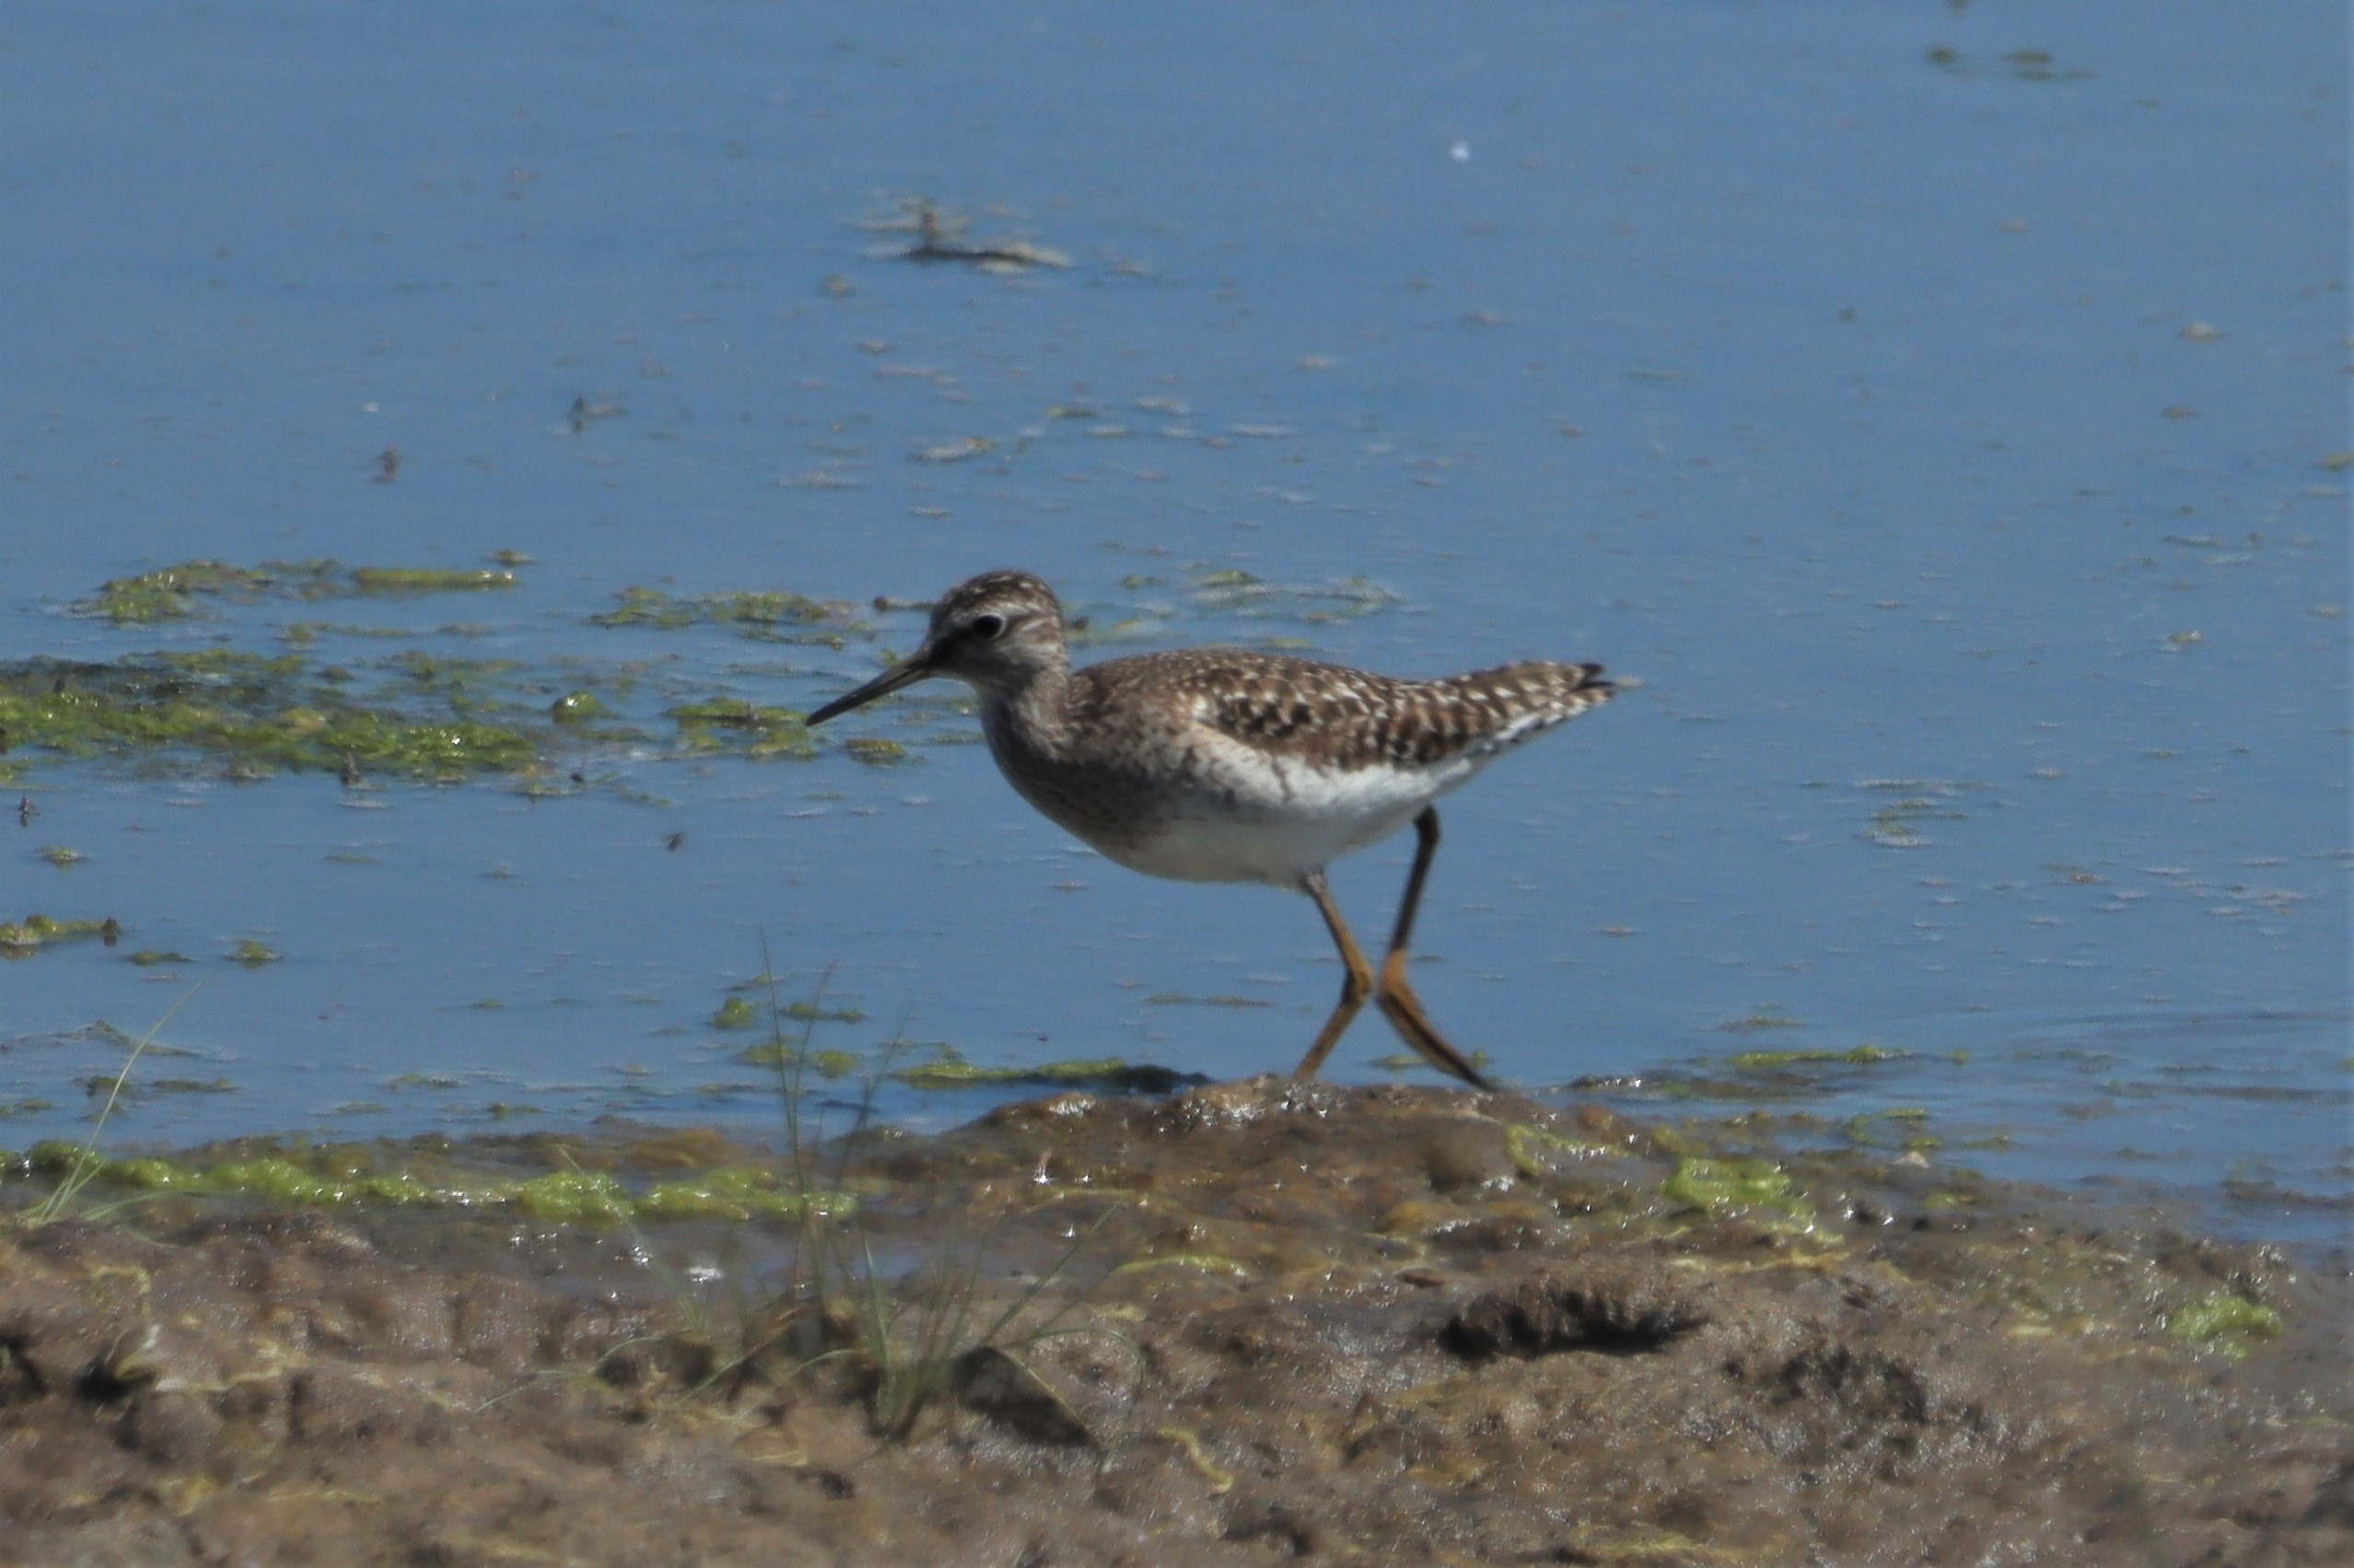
(1108, 1072)
(1725, 1188)
(811, 1013)
(387, 581)
(61, 857)
(577, 707)
(778, 1053)
(1767, 1061)
(253, 954)
(732, 725)
(764, 616)
(259, 714)
(876, 753)
(103, 1083)
(2225, 1321)
(23, 938)
(736, 1012)
(740, 1193)
(335, 1179)
(575, 1197)
(170, 593)
(174, 593)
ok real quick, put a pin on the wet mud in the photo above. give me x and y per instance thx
(1245, 1322)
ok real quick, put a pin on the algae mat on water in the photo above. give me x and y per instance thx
(256, 714)
(179, 593)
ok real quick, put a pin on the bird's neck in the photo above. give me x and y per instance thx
(1032, 707)
(1031, 713)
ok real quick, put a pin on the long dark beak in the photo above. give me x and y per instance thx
(906, 673)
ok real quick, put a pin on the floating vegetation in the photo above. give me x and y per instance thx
(1769, 1061)
(876, 753)
(955, 451)
(402, 581)
(258, 713)
(949, 1071)
(172, 593)
(20, 939)
(423, 715)
(98, 1084)
(1231, 592)
(254, 955)
(775, 1053)
(61, 857)
(1763, 1018)
(730, 724)
(1918, 801)
(763, 616)
(736, 1012)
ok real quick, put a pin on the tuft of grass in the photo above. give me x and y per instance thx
(85, 1166)
(913, 1340)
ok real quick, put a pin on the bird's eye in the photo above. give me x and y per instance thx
(987, 627)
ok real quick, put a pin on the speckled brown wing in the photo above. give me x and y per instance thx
(1337, 717)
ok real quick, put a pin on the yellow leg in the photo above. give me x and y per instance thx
(1395, 995)
(1354, 985)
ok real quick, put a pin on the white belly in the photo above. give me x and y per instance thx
(1288, 820)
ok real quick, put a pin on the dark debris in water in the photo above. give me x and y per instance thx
(940, 237)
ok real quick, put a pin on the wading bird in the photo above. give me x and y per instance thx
(1227, 765)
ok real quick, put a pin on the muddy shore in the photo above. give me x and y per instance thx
(1244, 1323)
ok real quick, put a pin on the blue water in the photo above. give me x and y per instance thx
(1934, 409)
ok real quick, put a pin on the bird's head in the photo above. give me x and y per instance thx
(995, 632)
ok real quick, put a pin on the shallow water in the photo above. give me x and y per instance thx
(1935, 410)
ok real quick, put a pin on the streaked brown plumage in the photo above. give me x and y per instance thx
(1225, 764)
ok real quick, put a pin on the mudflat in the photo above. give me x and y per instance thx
(1246, 1321)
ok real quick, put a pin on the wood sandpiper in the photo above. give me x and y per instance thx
(1229, 765)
